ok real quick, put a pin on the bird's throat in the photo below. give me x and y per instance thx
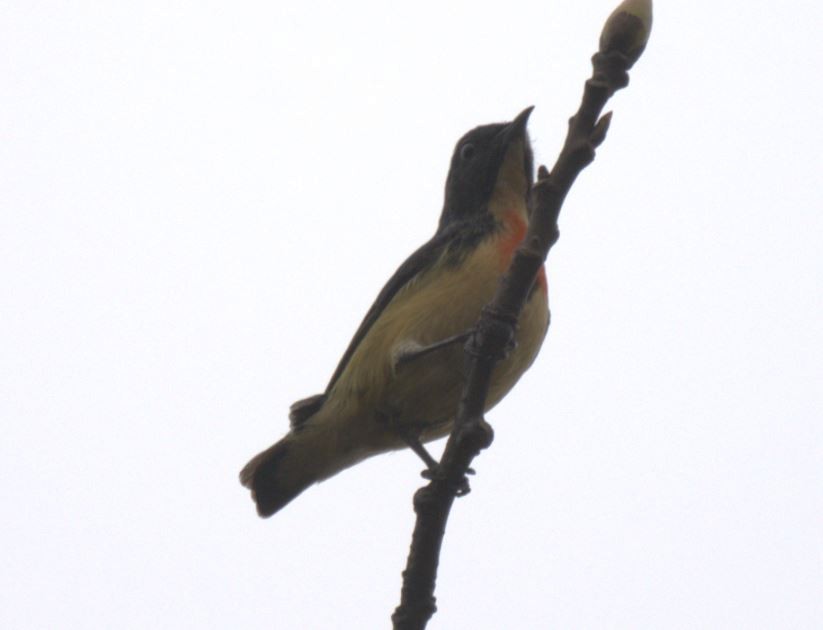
(512, 185)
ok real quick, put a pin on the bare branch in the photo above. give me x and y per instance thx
(623, 39)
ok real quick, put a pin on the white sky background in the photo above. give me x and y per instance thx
(200, 200)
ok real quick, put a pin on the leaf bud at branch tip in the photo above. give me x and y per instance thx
(627, 30)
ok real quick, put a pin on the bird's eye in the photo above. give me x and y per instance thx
(467, 152)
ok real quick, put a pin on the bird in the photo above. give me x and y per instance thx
(399, 381)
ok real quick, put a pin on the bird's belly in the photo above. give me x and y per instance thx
(423, 395)
(437, 389)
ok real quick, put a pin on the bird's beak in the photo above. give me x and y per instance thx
(516, 128)
(515, 165)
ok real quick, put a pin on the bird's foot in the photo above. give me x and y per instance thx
(462, 488)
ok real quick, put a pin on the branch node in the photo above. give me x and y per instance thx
(413, 616)
(426, 500)
(542, 173)
(475, 435)
(610, 72)
(598, 134)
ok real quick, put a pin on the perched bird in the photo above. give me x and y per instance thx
(400, 380)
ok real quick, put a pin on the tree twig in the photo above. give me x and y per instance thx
(623, 39)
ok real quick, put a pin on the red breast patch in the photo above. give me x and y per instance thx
(515, 226)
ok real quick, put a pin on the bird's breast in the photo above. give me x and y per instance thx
(442, 302)
(514, 227)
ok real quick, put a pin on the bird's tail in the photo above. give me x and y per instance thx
(284, 470)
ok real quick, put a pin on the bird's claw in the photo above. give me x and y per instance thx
(462, 488)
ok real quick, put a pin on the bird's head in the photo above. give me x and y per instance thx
(490, 161)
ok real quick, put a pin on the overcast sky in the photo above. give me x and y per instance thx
(200, 200)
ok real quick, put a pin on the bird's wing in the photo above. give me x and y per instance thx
(417, 263)
(456, 237)
(414, 265)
